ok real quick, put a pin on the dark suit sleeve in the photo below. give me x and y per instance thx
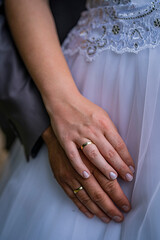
(20, 100)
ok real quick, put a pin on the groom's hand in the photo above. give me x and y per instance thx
(99, 196)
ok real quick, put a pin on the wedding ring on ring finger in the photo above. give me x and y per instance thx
(77, 190)
(85, 144)
(96, 158)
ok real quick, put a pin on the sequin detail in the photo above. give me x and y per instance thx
(119, 26)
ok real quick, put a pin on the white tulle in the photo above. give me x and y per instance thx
(33, 206)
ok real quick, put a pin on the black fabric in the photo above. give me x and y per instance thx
(66, 14)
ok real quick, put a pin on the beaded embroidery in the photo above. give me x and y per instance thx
(97, 3)
(117, 25)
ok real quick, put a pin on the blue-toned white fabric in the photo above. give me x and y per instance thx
(33, 205)
(118, 25)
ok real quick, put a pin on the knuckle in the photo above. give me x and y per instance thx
(90, 130)
(120, 145)
(85, 200)
(97, 197)
(111, 212)
(120, 201)
(65, 137)
(103, 123)
(121, 168)
(93, 153)
(72, 155)
(111, 154)
(110, 187)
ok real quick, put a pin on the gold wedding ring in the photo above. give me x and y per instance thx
(85, 144)
(78, 189)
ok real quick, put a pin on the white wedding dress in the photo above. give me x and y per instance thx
(114, 56)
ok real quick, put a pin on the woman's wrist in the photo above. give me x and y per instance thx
(61, 97)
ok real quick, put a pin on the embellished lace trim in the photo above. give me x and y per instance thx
(98, 3)
(120, 28)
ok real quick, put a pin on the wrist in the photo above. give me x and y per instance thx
(48, 135)
(54, 102)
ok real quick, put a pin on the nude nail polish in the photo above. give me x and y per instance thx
(112, 175)
(132, 169)
(117, 218)
(89, 215)
(129, 177)
(85, 174)
(105, 219)
(125, 208)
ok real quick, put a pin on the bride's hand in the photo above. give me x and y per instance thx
(75, 121)
(98, 196)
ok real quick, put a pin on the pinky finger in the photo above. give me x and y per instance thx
(76, 161)
(80, 206)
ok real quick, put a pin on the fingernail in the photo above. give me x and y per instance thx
(125, 208)
(129, 177)
(112, 175)
(132, 169)
(85, 174)
(89, 215)
(117, 218)
(105, 219)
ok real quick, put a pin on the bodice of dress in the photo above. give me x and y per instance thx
(98, 3)
(118, 25)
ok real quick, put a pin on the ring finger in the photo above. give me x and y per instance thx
(86, 201)
(73, 197)
(92, 153)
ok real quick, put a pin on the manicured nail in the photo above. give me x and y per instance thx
(85, 174)
(125, 208)
(117, 218)
(132, 169)
(105, 219)
(112, 175)
(129, 177)
(89, 215)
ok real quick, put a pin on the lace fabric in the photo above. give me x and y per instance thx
(118, 25)
(98, 3)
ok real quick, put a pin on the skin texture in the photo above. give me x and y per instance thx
(74, 119)
(100, 196)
